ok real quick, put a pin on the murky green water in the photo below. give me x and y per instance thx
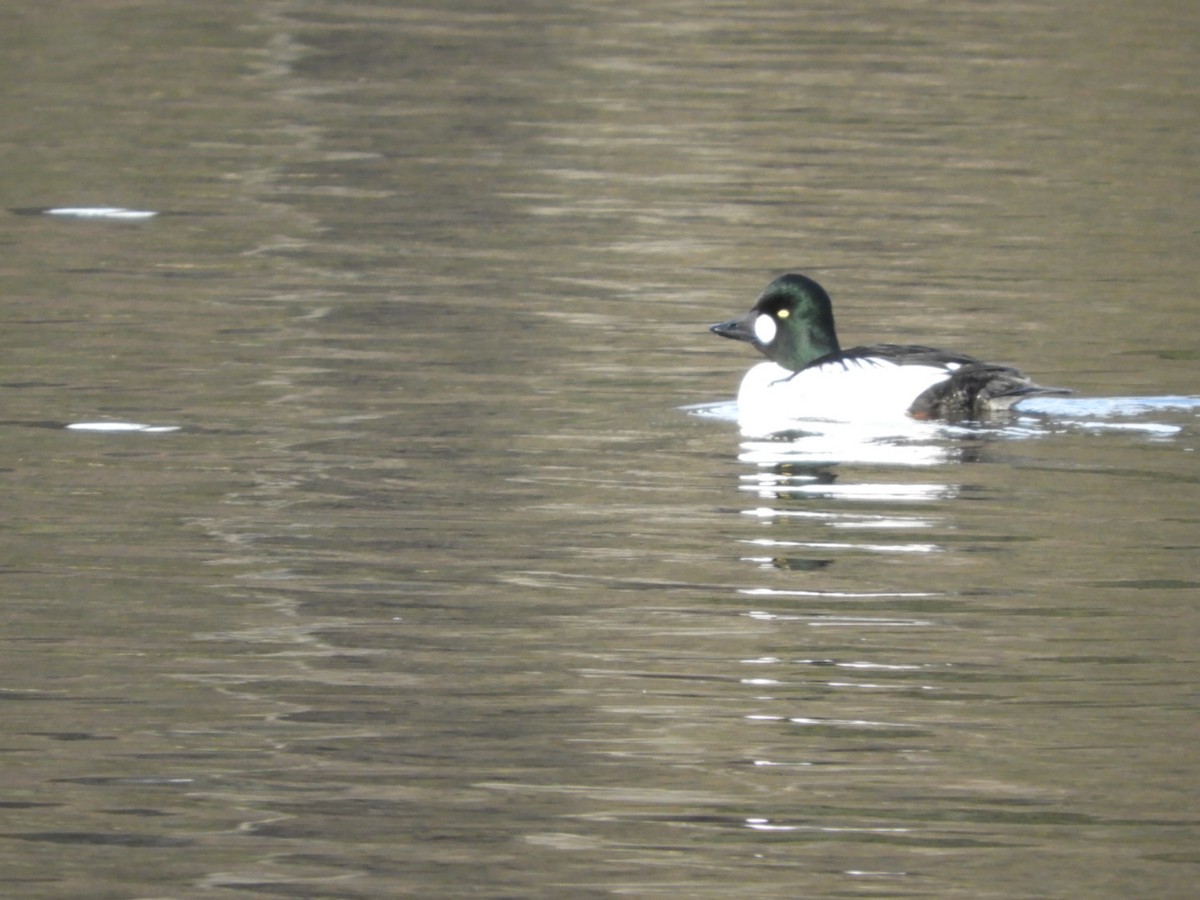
(437, 591)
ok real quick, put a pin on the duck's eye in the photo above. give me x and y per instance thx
(764, 329)
(782, 314)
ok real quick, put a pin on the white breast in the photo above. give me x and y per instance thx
(861, 390)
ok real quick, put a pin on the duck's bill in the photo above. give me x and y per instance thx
(739, 329)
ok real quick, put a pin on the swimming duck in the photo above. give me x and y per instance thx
(810, 376)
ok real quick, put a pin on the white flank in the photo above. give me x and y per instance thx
(771, 398)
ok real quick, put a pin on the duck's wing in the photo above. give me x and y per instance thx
(973, 390)
(900, 355)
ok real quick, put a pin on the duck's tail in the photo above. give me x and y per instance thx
(976, 390)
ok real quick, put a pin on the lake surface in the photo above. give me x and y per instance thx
(440, 570)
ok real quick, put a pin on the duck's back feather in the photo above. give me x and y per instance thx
(882, 381)
(900, 355)
(974, 390)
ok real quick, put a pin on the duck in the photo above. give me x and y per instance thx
(809, 376)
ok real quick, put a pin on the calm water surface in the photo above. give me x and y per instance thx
(438, 591)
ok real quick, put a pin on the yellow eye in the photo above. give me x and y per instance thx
(782, 314)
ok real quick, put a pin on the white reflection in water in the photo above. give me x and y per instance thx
(921, 445)
(908, 442)
(837, 545)
(843, 519)
(817, 621)
(117, 213)
(872, 665)
(864, 873)
(121, 427)
(767, 825)
(835, 595)
(1150, 429)
(837, 723)
(894, 492)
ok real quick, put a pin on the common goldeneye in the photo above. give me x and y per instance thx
(809, 376)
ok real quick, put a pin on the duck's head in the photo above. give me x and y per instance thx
(791, 323)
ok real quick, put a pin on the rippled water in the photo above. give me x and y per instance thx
(376, 521)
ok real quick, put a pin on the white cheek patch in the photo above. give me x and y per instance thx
(765, 329)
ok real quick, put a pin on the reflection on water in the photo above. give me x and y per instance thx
(431, 590)
(115, 213)
(920, 443)
(893, 492)
(114, 427)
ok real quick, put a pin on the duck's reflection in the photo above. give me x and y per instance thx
(841, 494)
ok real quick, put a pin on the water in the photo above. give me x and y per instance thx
(404, 564)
